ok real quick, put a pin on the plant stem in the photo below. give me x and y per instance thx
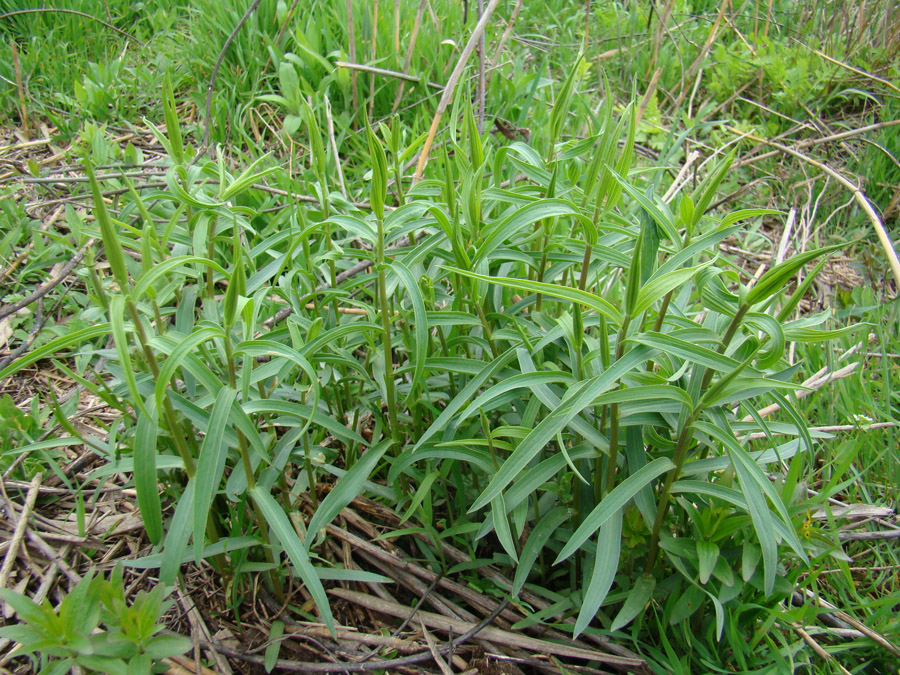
(168, 411)
(614, 419)
(386, 337)
(244, 451)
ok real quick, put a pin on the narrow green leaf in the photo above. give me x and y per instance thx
(346, 490)
(614, 502)
(247, 178)
(274, 646)
(146, 481)
(650, 392)
(707, 555)
(545, 528)
(633, 284)
(656, 289)
(120, 337)
(774, 280)
(521, 381)
(661, 219)
(178, 355)
(562, 292)
(280, 525)
(810, 335)
(756, 501)
(421, 492)
(173, 128)
(489, 371)
(606, 562)
(527, 215)
(55, 346)
(686, 350)
(177, 537)
(579, 397)
(211, 464)
(501, 527)
(379, 172)
(785, 312)
(420, 335)
(635, 603)
(111, 243)
(149, 278)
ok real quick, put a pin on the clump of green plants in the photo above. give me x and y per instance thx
(563, 364)
(94, 628)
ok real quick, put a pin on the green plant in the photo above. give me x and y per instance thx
(530, 353)
(94, 627)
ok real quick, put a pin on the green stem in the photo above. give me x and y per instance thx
(386, 337)
(614, 417)
(488, 335)
(726, 340)
(681, 447)
(168, 411)
(244, 452)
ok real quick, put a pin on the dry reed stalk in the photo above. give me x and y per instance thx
(503, 38)
(372, 55)
(863, 201)
(847, 66)
(818, 649)
(361, 67)
(409, 52)
(661, 20)
(23, 111)
(587, 26)
(695, 66)
(451, 86)
(768, 19)
(481, 75)
(12, 551)
(352, 52)
(651, 90)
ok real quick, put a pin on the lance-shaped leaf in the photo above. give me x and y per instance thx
(635, 603)
(178, 355)
(150, 277)
(546, 526)
(579, 397)
(656, 289)
(522, 218)
(613, 503)
(280, 526)
(111, 244)
(606, 562)
(146, 482)
(173, 128)
(54, 346)
(486, 373)
(348, 488)
(774, 280)
(420, 335)
(120, 337)
(562, 292)
(211, 464)
(379, 172)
